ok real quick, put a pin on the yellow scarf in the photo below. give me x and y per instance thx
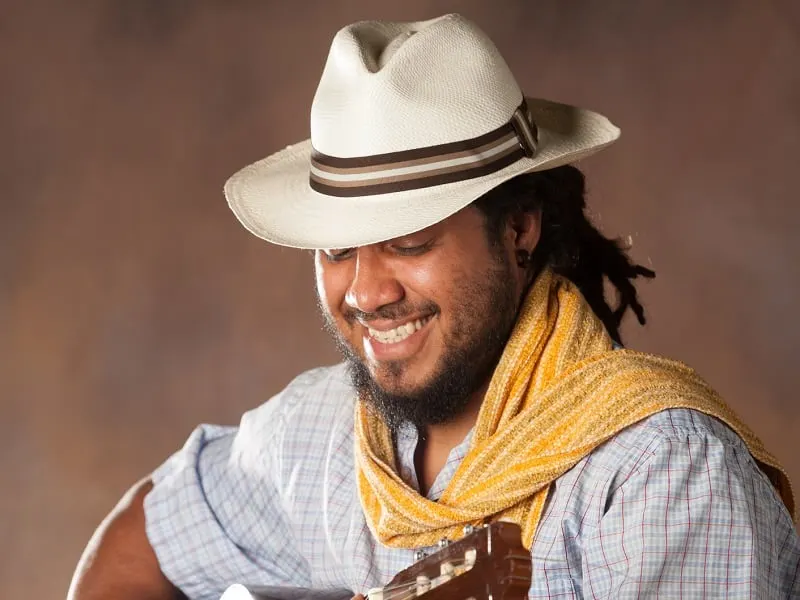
(559, 391)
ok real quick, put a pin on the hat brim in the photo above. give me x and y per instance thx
(273, 199)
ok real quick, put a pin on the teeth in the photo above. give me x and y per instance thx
(398, 334)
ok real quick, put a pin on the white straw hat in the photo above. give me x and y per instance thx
(411, 122)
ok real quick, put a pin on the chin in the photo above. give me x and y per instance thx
(400, 378)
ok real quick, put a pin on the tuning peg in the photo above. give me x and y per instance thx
(419, 555)
(444, 543)
(423, 584)
(470, 556)
(468, 529)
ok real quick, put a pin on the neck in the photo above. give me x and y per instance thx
(436, 441)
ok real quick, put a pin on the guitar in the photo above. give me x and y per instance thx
(488, 563)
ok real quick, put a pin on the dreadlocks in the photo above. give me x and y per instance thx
(569, 243)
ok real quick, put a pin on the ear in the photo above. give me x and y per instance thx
(524, 230)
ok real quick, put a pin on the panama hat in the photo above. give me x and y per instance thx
(411, 122)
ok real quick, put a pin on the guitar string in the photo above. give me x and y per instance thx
(455, 564)
(405, 587)
(403, 591)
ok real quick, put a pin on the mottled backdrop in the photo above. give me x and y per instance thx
(133, 306)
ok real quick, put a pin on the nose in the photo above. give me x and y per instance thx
(374, 283)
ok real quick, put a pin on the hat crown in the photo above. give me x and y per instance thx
(390, 87)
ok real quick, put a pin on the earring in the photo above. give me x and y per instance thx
(523, 259)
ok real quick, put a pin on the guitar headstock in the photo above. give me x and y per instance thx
(488, 563)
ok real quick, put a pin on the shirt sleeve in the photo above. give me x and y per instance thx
(213, 516)
(698, 520)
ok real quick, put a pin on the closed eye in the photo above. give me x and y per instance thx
(412, 250)
(338, 254)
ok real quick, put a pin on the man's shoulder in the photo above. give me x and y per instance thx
(676, 423)
(324, 395)
(323, 385)
(630, 449)
(666, 444)
(635, 448)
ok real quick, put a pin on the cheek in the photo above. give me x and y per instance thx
(426, 277)
(430, 281)
(438, 285)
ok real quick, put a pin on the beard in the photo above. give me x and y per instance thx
(481, 325)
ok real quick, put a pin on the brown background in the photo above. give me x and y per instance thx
(132, 304)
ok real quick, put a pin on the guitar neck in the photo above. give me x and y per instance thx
(241, 592)
(488, 563)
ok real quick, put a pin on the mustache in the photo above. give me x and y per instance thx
(392, 312)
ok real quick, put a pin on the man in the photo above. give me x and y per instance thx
(484, 377)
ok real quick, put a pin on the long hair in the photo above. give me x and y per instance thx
(569, 243)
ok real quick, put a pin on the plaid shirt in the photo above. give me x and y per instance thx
(672, 507)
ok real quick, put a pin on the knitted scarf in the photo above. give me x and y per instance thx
(559, 391)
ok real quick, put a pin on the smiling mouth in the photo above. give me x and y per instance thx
(398, 334)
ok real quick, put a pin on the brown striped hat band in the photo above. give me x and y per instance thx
(429, 166)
